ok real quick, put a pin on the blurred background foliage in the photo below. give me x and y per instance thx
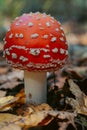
(63, 10)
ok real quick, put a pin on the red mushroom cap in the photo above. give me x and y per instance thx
(36, 41)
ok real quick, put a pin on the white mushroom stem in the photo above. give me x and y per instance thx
(35, 87)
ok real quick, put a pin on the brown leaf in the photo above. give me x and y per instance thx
(74, 88)
(6, 118)
(80, 103)
(21, 97)
(33, 119)
(5, 124)
(6, 101)
(63, 125)
(37, 117)
(82, 70)
(42, 107)
(12, 76)
(2, 93)
(72, 73)
(27, 109)
(43, 118)
(16, 74)
(3, 70)
(11, 127)
(28, 121)
(9, 102)
(10, 84)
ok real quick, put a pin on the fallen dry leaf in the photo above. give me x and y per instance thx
(2, 93)
(42, 107)
(10, 84)
(27, 109)
(42, 115)
(9, 102)
(3, 70)
(16, 74)
(73, 73)
(28, 121)
(34, 119)
(12, 76)
(6, 101)
(21, 97)
(80, 103)
(6, 118)
(11, 127)
(36, 116)
(4, 122)
(81, 70)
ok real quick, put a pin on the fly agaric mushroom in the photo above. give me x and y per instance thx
(36, 43)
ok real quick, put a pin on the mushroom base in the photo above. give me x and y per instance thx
(35, 87)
